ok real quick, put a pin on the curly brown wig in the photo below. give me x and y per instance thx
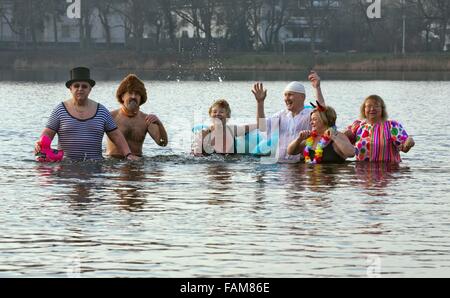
(129, 84)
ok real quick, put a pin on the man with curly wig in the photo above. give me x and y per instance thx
(132, 122)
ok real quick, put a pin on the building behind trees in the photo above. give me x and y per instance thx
(232, 25)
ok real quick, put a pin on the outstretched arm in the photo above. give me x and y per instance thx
(156, 130)
(315, 82)
(244, 129)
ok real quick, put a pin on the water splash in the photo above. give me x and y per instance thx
(189, 60)
(215, 67)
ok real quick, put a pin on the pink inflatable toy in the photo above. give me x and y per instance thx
(47, 154)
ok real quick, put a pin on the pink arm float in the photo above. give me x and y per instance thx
(47, 154)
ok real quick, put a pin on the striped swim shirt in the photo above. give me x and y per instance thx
(81, 140)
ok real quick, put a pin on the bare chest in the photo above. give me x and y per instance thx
(133, 129)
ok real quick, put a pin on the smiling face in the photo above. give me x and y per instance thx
(220, 113)
(317, 123)
(131, 100)
(373, 111)
(80, 90)
(294, 101)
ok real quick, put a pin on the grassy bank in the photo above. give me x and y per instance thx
(120, 59)
(342, 62)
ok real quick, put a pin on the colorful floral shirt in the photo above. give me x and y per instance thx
(378, 142)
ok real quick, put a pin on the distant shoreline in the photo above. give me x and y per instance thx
(159, 61)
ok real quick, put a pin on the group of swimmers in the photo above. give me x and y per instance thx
(310, 135)
(304, 134)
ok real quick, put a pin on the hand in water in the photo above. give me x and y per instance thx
(132, 157)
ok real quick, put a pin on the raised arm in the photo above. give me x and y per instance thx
(315, 82)
(260, 95)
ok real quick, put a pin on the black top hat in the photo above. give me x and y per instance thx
(80, 74)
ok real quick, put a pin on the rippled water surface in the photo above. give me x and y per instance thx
(173, 215)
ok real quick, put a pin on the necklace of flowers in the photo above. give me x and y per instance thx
(319, 148)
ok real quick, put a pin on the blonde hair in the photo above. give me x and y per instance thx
(380, 101)
(328, 116)
(221, 103)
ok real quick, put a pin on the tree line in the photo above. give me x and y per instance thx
(245, 25)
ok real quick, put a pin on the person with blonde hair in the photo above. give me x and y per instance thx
(219, 137)
(377, 139)
(324, 144)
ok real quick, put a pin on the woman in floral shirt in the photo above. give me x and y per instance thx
(376, 138)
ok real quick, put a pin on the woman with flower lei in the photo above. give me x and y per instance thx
(324, 144)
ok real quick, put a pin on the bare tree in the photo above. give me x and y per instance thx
(200, 14)
(27, 20)
(266, 18)
(105, 10)
(85, 24)
(168, 11)
(133, 15)
(437, 11)
(318, 15)
(234, 16)
(54, 9)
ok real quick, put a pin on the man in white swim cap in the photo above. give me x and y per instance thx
(291, 121)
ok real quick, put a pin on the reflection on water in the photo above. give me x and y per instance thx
(173, 215)
(374, 177)
(218, 179)
(76, 179)
(128, 186)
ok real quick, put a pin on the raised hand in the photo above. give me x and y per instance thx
(259, 92)
(314, 79)
(304, 134)
(331, 132)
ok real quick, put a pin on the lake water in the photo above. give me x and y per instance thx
(172, 215)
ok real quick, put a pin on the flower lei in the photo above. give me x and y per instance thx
(319, 149)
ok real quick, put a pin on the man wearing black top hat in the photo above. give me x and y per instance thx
(81, 123)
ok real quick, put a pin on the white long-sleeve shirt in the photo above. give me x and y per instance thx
(288, 128)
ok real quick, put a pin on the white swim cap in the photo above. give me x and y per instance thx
(295, 87)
